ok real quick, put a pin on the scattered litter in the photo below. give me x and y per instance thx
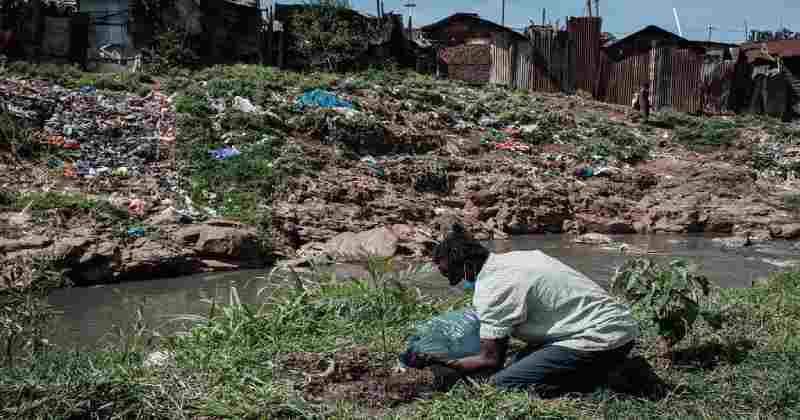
(224, 153)
(375, 168)
(106, 129)
(487, 121)
(584, 172)
(136, 232)
(513, 145)
(244, 105)
(136, 207)
(54, 163)
(323, 99)
(218, 105)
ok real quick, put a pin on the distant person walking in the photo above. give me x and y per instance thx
(644, 101)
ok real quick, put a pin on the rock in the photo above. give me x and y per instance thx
(29, 242)
(228, 243)
(790, 231)
(72, 248)
(593, 239)
(600, 224)
(224, 223)
(188, 236)
(350, 247)
(214, 265)
(168, 216)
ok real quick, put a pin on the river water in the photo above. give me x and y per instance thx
(94, 315)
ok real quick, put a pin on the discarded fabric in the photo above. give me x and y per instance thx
(323, 99)
(88, 89)
(244, 105)
(374, 167)
(54, 163)
(224, 153)
(584, 172)
(513, 145)
(136, 207)
(136, 232)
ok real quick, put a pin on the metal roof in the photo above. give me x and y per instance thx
(784, 48)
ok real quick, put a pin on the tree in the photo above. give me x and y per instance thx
(326, 33)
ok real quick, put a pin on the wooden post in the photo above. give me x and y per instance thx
(36, 25)
(270, 37)
(281, 47)
(652, 76)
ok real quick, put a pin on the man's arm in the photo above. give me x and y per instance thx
(492, 357)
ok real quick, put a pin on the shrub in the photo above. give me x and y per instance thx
(707, 133)
(671, 296)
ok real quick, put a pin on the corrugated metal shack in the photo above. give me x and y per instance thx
(668, 64)
(474, 49)
(773, 71)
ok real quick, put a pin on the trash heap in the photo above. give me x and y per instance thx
(105, 134)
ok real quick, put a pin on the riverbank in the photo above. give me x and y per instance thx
(111, 174)
(326, 350)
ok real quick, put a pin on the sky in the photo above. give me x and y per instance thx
(620, 16)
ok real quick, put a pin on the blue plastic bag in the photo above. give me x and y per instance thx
(322, 99)
(449, 336)
(224, 153)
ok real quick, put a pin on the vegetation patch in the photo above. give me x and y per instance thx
(707, 133)
(324, 349)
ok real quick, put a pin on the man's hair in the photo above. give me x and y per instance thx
(458, 248)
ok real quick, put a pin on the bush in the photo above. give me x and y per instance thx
(615, 141)
(707, 133)
(671, 296)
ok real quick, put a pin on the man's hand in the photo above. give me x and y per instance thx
(423, 360)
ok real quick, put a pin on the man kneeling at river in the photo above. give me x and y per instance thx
(576, 333)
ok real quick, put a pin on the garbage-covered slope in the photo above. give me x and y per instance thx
(204, 170)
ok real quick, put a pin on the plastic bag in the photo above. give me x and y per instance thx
(452, 335)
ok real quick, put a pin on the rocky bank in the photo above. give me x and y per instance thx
(421, 165)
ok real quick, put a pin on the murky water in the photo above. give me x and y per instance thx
(94, 315)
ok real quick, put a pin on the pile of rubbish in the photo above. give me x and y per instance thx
(107, 134)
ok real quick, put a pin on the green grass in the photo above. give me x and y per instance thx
(72, 77)
(229, 365)
(707, 133)
(21, 141)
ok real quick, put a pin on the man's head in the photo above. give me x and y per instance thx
(459, 255)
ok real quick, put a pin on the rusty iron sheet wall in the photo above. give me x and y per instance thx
(525, 68)
(468, 54)
(470, 63)
(622, 79)
(470, 72)
(717, 83)
(661, 89)
(585, 32)
(551, 68)
(502, 50)
(687, 67)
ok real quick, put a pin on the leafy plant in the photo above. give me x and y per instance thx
(670, 295)
(707, 133)
(615, 141)
(24, 311)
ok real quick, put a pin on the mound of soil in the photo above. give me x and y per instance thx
(357, 375)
